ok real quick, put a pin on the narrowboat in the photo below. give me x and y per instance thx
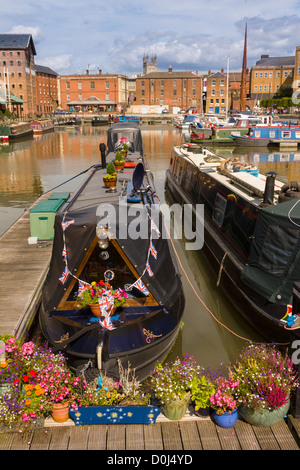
(113, 235)
(15, 131)
(251, 234)
(100, 120)
(41, 126)
(269, 136)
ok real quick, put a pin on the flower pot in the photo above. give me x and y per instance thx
(226, 420)
(119, 166)
(203, 412)
(97, 312)
(176, 409)
(60, 412)
(110, 182)
(114, 415)
(263, 417)
(124, 153)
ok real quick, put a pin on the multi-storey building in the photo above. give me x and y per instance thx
(93, 92)
(46, 90)
(17, 70)
(216, 94)
(271, 74)
(171, 90)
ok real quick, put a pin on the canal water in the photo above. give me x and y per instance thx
(213, 332)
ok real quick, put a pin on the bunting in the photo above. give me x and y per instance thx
(65, 225)
(64, 275)
(106, 303)
(153, 250)
(149, 270)
(106, 323)
(154, 227)
(82, 286)
(141, 287)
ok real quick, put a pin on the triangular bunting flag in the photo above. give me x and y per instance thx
(65, 225)
(141, 287)
(106, 303)
(153, 251)
(82, 286)
(149, 270)
(154, 227)
(64, 275)
(106, 323)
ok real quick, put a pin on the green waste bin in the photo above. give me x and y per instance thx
(42, 218)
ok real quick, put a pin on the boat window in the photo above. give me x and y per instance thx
(257, 133)
(286, 134)
(278, 249)
(219, 209)
(297, 135)
(272, 134)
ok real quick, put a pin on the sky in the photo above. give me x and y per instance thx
(198, 35)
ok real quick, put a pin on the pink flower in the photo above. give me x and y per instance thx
(11, 344)
(27, 348)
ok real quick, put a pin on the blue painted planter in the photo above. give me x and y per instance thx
(114, 415)
(226, 420)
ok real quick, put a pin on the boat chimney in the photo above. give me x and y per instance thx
(102, 148)
(269, 188)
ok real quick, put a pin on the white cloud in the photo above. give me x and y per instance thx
(59, 64)
(35, 31)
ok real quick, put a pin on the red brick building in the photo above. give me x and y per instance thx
(110, 92)
(46, 90)
(171, 90)
(17, 70)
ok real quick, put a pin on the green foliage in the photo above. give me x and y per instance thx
(119, 156)
(110, 168)
(202, 389)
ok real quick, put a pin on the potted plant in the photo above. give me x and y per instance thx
(267, 379)
(110, 179)
(125, 149)
(92, 295)
(224, 402)
(202, 389)
(170, 384)
(107, 401)
(119, 162)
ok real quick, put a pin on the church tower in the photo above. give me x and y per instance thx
(149, 65)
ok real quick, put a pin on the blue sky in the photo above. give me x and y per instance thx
(71, 35)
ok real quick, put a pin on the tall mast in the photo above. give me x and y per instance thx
(244, 75)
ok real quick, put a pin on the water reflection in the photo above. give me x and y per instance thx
(39, 164)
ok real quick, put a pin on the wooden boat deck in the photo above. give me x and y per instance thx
(188, 434)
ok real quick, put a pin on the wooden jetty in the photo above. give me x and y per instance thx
(23, 268)
(188, 434)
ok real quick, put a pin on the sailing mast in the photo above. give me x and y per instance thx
(244, 75)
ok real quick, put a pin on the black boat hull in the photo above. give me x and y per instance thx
(227, 270)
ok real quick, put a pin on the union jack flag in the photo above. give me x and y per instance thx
(82, 286)
(106, 302)
(154, 227)
(153, 251)
(64, 275)
(65, 225)
(149, 270)
(64, 253)
(141, 287)
(106, 323)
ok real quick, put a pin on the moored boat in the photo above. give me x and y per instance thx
(95, 240)
(251, 234)
(14, 131)
(41, 126)
(268, 136)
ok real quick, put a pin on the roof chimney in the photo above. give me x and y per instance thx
(170, 68)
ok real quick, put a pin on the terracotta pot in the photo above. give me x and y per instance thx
(60, 412)
(97, 313)
(124, 153)
(119, 166)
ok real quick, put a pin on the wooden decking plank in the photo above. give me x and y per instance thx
(21, 440)
(78, 438)
(284, 436)
(60, 438)
(190, 435)
(116, 437)
(266, 438)
(41, 439)
(208, 435)
(135, 437)
(171, 435)
(6, 439)
(97, 437)
(246, 436)
(153, 437)
(228, 438)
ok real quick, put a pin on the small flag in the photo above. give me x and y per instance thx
(141, 287)
(64, 275)
(154, 227)
(106, 303)
(64, 253)
(153, 251)
(65, 225)
(82, 286)
(149, 270)
(106, 323)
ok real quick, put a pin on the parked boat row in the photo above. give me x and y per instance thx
(19, 130)
(251, 234)
(94, 248)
